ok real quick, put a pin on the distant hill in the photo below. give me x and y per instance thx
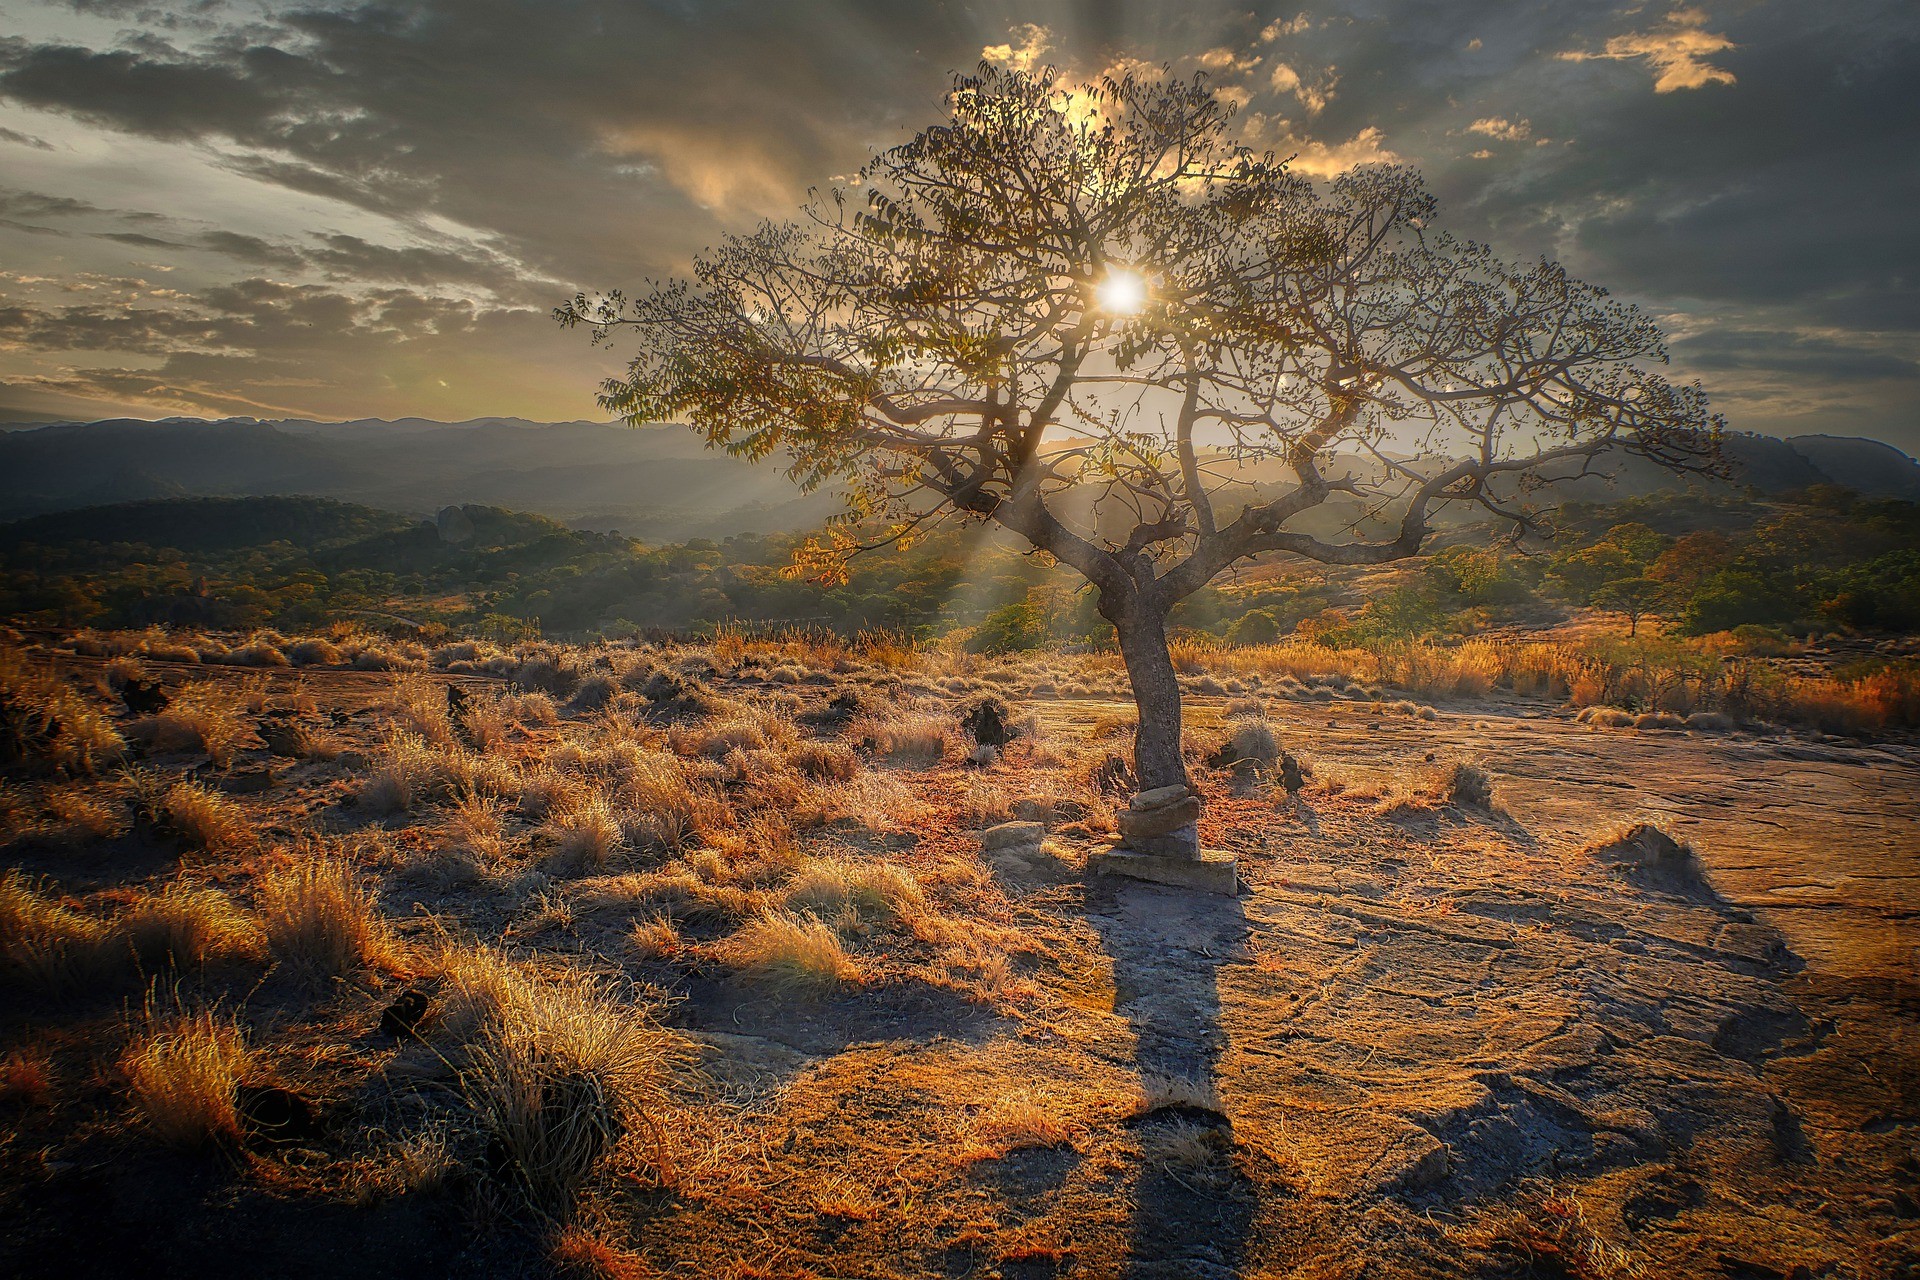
(659, 484)
(1869, 466)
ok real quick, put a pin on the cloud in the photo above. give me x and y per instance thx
(261, 346)
(25, 140)
(1327, 159)
(1285, 27)
(1225, 59)
(1313, 93)
(1025, 49)
(1502, 129)
(1677, 49)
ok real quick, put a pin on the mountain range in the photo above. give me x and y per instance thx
(659, 484)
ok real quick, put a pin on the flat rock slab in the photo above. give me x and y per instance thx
(1211, 872)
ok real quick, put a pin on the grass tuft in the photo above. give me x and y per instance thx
(320, 920)
(794, 953)
(205, 819)
(182, 1072)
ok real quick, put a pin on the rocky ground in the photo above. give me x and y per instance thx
(1430, 1036)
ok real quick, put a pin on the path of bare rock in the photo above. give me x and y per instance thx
(1718, 1075)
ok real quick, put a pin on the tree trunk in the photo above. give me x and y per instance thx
(1156, 695)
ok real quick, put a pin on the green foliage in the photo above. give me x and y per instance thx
(1010, 627)
(1256, 626)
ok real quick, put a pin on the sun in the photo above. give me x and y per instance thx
(1122, 293)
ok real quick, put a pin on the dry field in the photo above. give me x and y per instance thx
(691, 961)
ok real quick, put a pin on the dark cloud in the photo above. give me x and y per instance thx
(188, 98)
(1789, 353)
(141, 240)
(25, 140)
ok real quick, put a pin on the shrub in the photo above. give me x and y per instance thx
(1256, 626)
(1010, 628)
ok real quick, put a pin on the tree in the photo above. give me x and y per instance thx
(1635, 597)
(1076, 311)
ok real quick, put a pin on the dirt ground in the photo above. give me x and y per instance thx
(1425, 1039)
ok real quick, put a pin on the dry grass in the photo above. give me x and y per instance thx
(664, 808)
(557, 1072)
(86, 815)
(585, 831)
(921, 738)
(737, 728)
(182, 1071)
(824, 761)
(789, 953)
(1018, 1121)
(207, 715)
(47, 723)
(679, 894)
(476, 835)
(832, 889)
(320, 920)
(205, 819)
(26, 1079)
(185, 926)
(406, 773)
(418, 705)
(1462, 783)
(1647, 676)
(1546, 1234)
(257, 653)
(654, 938)
(49, 945)
(314, 652)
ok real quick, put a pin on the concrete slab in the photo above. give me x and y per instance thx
(1211, 872)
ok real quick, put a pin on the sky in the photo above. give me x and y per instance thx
(304, 210)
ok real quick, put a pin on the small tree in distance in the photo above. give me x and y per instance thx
(1085, 314)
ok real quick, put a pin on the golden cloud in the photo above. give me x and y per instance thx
(1502, 129)
(1677, 48)
(1027, 44)
(1314, 95)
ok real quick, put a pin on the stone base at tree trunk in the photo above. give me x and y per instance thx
(1160, 841)
(1209, 871)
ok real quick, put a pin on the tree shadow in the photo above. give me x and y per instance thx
(1193, 1205)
